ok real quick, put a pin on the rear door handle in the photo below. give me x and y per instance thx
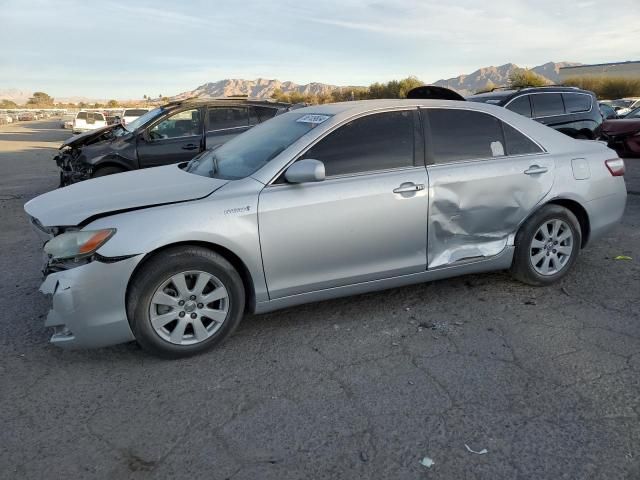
(408, 188)
(191, 146)
(535, 169)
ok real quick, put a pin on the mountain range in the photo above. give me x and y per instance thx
(264, 88)
(473, 82)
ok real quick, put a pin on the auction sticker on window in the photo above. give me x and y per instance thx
(313, 118)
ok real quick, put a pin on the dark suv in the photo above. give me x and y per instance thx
(569, 110)
(173, 133)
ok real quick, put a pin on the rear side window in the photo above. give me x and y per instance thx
(227, 117)
(376, 142)
(547, 104)
(82, 115)
(521, 105)
(464, 135)
(576, 102)
(517, 143)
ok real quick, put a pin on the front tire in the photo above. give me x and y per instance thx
(547, 246)
(184, 301)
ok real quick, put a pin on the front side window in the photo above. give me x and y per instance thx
(182, 124)
(458, 135)
(521, 105)
(547, 104)
(221, 118)
(576, 102)
(376, 142)
(82, 116)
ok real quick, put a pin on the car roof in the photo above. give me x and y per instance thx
(362, 106)
(230, 101)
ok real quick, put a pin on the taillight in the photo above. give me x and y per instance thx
(615, 166)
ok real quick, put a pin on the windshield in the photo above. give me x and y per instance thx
(250, 151)
(144, 119)
(633, 113)
(134, 112)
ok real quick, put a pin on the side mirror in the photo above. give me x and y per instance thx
(307, 170)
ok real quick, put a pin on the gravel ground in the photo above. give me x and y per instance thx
(545, 379)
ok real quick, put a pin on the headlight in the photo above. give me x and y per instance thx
(77, 244)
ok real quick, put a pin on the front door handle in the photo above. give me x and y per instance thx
(190, 146)
(535, 169)
(408, 188)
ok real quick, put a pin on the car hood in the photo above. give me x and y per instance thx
(88, 137)
(73, 205)
(622, 126)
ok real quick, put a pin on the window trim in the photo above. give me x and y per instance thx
(351, 118)
(563, 105)
(429, 157)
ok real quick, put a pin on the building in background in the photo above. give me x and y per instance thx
(602, 70)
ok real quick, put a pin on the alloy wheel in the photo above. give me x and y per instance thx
(189, 307)
(551, 247)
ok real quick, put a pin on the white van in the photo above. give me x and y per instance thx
(130, 114)
(86, 121)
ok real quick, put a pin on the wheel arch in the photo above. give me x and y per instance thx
(579, 211)
(230, 256)
(112, 161)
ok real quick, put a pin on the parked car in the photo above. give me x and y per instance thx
(625, 105)
(321, 202)
(88, 121)
(607, 111)
(5, 119)
(623, 134)
(130, 114)
(26, 116)
(569, 110)
(170, 134)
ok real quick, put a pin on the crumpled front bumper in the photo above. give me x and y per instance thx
(89, 304)
(72, 170)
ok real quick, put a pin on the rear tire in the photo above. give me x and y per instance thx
(109, 170)
(547, 246)
(184, 301)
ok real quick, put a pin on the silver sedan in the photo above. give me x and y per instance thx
(318, 203)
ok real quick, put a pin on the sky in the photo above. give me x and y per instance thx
(125, 49)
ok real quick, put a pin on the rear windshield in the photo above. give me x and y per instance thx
(134, 112)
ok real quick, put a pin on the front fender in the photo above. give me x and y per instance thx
(227, 218)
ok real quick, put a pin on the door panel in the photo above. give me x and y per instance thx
(177, 138)
(474, 206)
(343, 230)
(219, 137)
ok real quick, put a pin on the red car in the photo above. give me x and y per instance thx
(623, 134)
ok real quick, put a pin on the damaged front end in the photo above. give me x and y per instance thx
(87, 292)
(72, 160)
(72, 170)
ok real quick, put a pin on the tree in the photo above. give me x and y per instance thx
(523, 77)
(8, 104)
(112, 103)
(40, 99)
(144, 96)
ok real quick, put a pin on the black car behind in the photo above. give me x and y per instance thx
(173, 133)
(569, 110)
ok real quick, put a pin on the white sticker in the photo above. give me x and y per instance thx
(497, 150)
(313, 118)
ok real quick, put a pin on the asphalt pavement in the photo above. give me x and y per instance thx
(546, 380)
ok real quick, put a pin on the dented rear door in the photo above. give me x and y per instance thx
(481, 185)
